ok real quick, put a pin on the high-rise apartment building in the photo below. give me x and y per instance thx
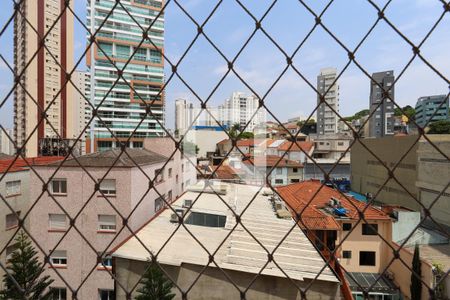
(6, 146)
(381, 123)
(43, 76)
(81, 108)
(122, 105)
(327, 120)
(431, 109)
(184, 114)
(241, 109)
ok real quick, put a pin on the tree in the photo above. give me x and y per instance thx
(440, 127)
(155, 286)
(416, 284)
(25, 268)
(358, 115)
(246, 135)
(234, 130)
(407, 110)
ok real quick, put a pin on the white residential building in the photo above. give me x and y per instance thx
(6, 146)
(327, 120)
(242, 109)
(119, 40)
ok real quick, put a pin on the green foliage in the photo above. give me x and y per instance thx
(358, 115)
(416, 285)
(407, 110)
(310, 122)
(440, 127)
(26, 270)
(189, 148)
(155, 286)
(246, 135)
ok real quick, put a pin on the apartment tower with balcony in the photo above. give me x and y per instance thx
(41, 90)
(327, 120)
(120, 48)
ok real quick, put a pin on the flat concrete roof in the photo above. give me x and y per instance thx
(240, 251)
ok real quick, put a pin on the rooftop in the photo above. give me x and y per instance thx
(108, 159)
(298, 146)
(240, 252)
(12, 165)
(318, 213)
(271, 161)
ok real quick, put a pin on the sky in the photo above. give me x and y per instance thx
(261, 62)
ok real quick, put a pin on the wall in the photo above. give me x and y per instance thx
(368, 175)
(357, 242)
(206, 140)
(402, 275)
(212, 284)
(18, 203)
(433, 174)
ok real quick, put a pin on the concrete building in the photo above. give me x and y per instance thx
(206, 139)
(297, 151)
(423, 172)
(236, 253)
(331, 148)
(126, 104)
(82, 110)
(382, 121)
(273, 168)
(6, 145)
(15, 190)
(327, 120)
(183, 115)
(431, 108)
(368, 175)
(433, 173)
(242, 109)
(42, 78)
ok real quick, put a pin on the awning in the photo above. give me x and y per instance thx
(358, 280)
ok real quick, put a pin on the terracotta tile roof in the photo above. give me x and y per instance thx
(298, 195)
(223, 142)
(291, 126)
(299, 146)
(225, 172)
(272, 160)
(249, 142)
(21, 165)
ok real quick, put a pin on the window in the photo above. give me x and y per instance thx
(11, 220)
(367, 258)
(208, 220)
(106, 261)
(159, 204)
(295, 170)
(169, 173)
(108, 186)
(57, 221)
(169, 195)
(10, 250)
(340, 143)
(278, 181)
(107, 223)
(106, 294)
(295, 180)
(58, 293)
(346, 226)
(346, 254)
(176, 179)
(59, 186)
(13, 188)
(369, 229)
(58, 258)
(159, 175)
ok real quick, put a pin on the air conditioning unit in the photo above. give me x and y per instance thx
(174, 218)
(187, 203)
